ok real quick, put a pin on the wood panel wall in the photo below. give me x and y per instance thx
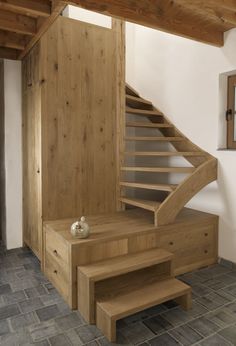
(73, 83)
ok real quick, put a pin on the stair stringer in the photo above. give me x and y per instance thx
(174, 203)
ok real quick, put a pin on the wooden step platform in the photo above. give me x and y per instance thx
(141, 203)
(135, 101)
(90, 274)
(148, 125)
(149, 186)
(164, 153)
(154, 139)
(130, 91)
(144, 112)
(112, 309)
(159, 169)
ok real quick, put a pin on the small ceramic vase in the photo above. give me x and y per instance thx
(80, 229)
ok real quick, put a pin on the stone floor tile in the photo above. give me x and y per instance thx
(221, 317)
(196, 311)
(163, 340)
(137, 333)
(69, 321)
(191, 279)
(120, 341)
(4, 289)
(18, 285)
(42, 343)
(74, 338)
(215, 340)
(30, 304)
(9, 311)
(14, 297)
(155, 310)
(88, 333)
(200, 290)
(157, 324)
(24, 320)
(213, 301)
(231, 290)
(176, 316)
(204, 326)
(47, 313)
(139, 317)
(34, 292)
(60, 340)
(4, 327)
(229, 334)
(92, 343)
(213, 271)
(185, 335)
(43, 330)
(21, 337)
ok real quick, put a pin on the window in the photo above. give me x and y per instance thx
(231, 113)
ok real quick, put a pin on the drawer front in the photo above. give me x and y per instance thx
(56, 248)
(191, 246)
(187, 238)
(58, 275)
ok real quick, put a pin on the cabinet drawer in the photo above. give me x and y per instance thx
(56, 248)
(57, 274)
(187, 238)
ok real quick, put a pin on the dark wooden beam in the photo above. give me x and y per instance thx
(10, 21)
(12, 40)
(8, 53)
(56, 8)
(160, 14)
(28, 7)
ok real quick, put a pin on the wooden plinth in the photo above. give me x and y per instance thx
(192, 238)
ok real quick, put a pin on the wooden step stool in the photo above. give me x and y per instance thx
(113, 309)
(94, 280)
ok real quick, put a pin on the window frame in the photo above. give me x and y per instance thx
(231, 113)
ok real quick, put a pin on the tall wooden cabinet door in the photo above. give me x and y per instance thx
(80, 107)
(32, 204)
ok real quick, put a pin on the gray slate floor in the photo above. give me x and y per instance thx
(33, 313)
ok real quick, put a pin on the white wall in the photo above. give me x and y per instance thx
(13, 153)
(182, 78)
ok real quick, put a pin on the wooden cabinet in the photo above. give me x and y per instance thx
(73, 87)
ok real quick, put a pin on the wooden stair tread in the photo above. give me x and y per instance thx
(138, 99)
(130, 91)
(159, 169)
(141, 203)
(143, 298)
(144, 112)
(151, 125)
(164, 153)
(125, 264)
(149, 186)
(160, 139)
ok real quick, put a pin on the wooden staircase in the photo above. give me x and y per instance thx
(201, 172)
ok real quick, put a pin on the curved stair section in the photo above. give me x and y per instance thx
(203, 168)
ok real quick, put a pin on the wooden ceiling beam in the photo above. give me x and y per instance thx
(160, 14)
(8, 53)
(36, 8)
(12, 40)
(211, 11)
(10, 21)
(57, 7)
